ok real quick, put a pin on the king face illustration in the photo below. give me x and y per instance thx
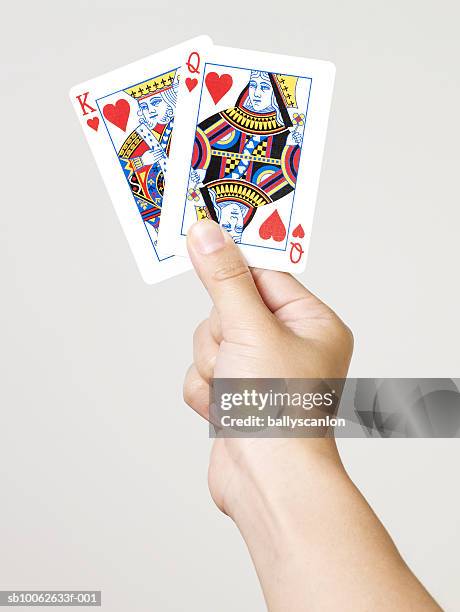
(248, 155)
(144, 153)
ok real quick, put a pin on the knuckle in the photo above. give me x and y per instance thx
(199, 330)
(215, 326)
(346, 337)
(192, 390)
(231, 269)
(188, 394)
(206, 365)
(350, 338)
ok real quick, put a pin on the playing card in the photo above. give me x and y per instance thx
(128, 118)
(250, 132)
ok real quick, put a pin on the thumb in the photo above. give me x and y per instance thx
(224, 272)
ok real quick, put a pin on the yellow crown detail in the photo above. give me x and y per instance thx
(152, 86)
(240, 191)
(287, 87)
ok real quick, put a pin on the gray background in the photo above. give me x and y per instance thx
(103, 469)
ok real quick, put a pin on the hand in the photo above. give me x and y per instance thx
(263, 324)
(153, 156)
(314, 540)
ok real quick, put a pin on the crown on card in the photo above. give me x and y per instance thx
(239, 191)
(287, 87)
(153, 86)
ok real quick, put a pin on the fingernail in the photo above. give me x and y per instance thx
(206, 237)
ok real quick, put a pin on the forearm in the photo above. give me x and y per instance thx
(314, 540)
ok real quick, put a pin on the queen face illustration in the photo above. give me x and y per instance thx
(260, 92)
(154, 110)
(231, 218)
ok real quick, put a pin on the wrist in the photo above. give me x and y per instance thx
(273, 477)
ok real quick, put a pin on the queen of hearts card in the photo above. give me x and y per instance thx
(247, 156)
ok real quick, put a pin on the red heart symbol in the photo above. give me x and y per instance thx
(191, 83)
(93, 123)
(117, 113)
(273, 227)
(298, 232)
(217, 85)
